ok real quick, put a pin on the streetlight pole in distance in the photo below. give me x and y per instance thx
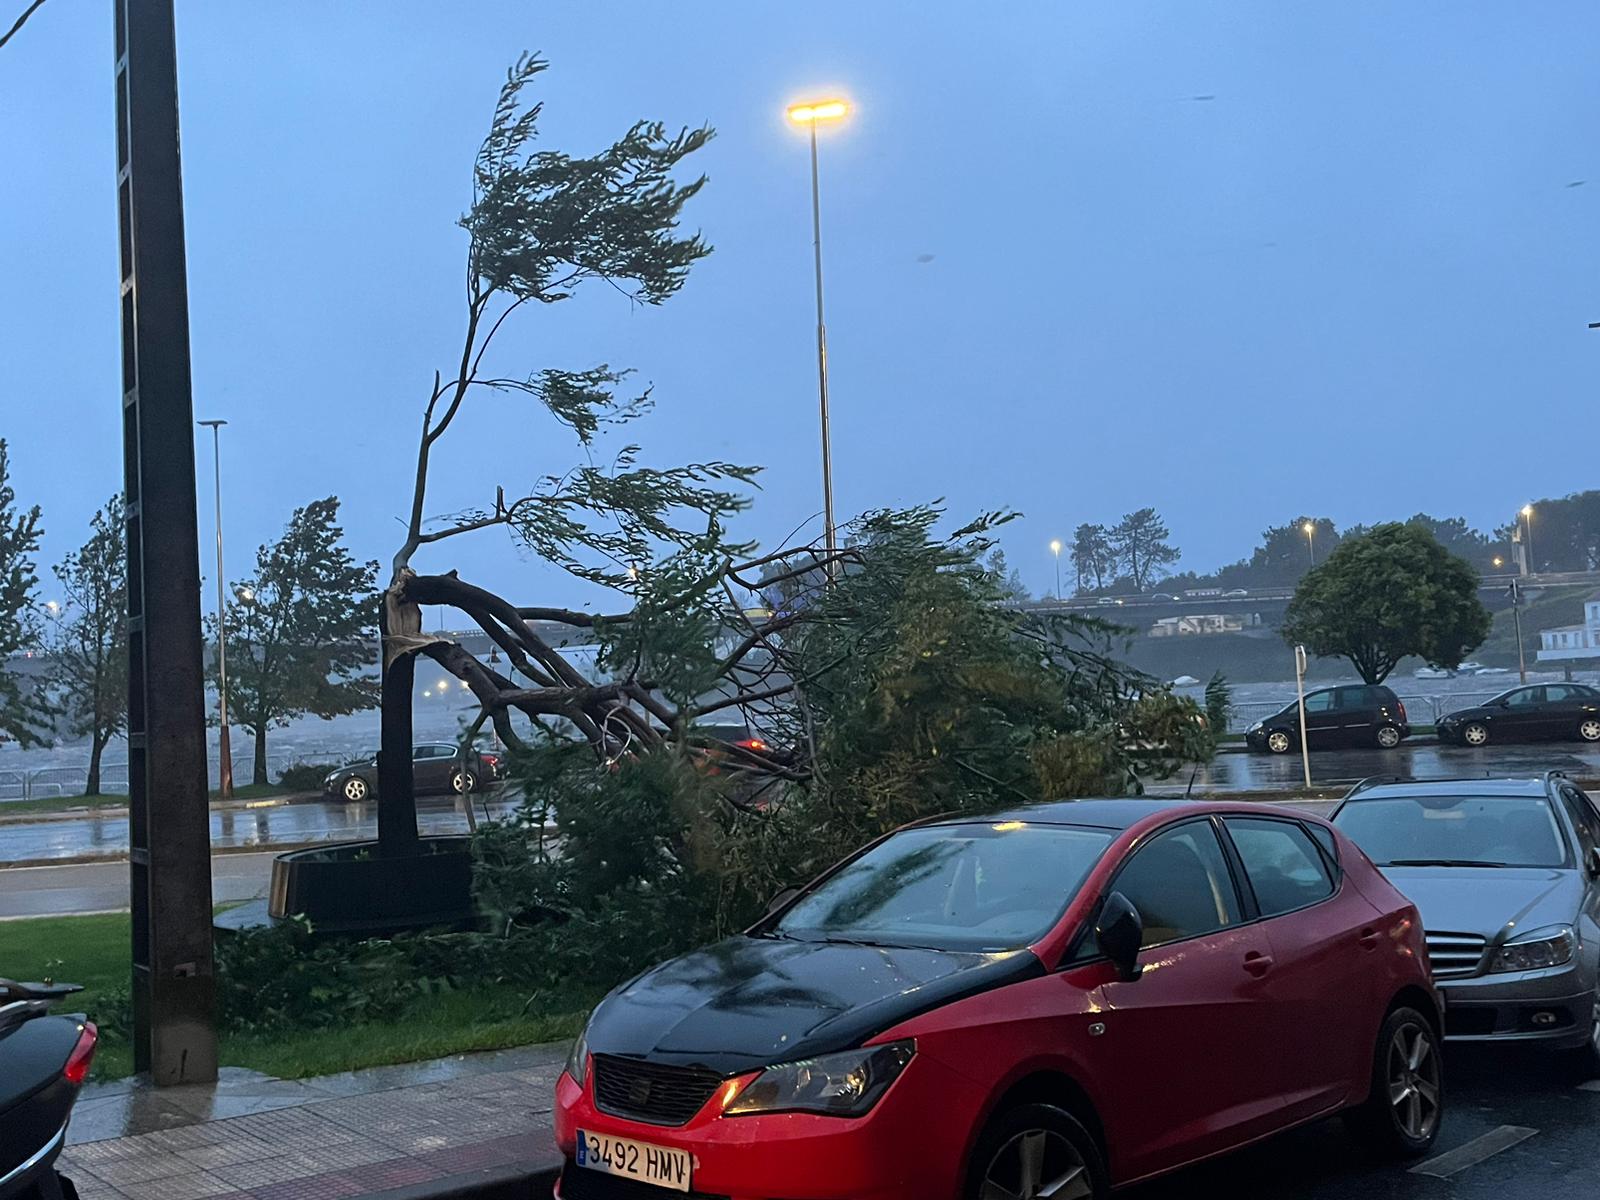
(1527, 538)
(1055, 548)
(224, 746)
(1311, 540)
(808, 115)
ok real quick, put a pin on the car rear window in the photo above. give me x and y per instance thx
(990, 886)
(1281, 862)
(1487, 831)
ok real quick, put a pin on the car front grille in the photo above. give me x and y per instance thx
(1454, 955)
(580, 1184)
(651, 1092)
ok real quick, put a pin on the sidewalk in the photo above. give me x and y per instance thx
(471, 1124)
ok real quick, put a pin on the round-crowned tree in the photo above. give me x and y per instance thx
(1392, 592)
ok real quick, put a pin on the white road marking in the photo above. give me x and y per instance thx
(1452, 1162)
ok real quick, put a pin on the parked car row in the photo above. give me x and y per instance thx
(1069, 997)
(1372, 715)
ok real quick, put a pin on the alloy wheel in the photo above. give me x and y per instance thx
(355, 789)
(1278, 742)
(1388, 737)
(1589, 730)
(1475, 734)
(1037, 1163)
(1413, 1072)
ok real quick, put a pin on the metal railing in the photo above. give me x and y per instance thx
(48, 783)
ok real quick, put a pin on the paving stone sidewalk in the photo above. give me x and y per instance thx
(419, 1129)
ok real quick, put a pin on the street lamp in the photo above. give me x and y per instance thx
(1311, 540)
(1527, 537)
(1055, 548)
(224, 747)
(1498, 561)
(809, 115)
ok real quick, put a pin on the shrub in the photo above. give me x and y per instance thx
(303, 777)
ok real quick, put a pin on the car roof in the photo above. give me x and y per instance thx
(1526, 785)
(1109, 813)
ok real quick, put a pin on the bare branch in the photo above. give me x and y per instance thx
(20, 22)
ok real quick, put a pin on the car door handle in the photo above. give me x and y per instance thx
(1257, 964)
(1370, 938)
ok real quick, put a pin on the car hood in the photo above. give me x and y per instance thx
(1477, 712)
(749, 1002)
(1490, 900)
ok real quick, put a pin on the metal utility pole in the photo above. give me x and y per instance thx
(822, 359)
(1300, 689)
(224, 744)
(1516, 615)
(169, 858)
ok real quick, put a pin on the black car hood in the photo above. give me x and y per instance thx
(749, 1002)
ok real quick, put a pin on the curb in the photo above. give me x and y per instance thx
(516, 1181)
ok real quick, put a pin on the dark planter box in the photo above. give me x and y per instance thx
(347, 888)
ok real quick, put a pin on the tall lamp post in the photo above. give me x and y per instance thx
(1311, 540)
(224, 745)
(1055, 548)
(808, 115)
(1527, 539)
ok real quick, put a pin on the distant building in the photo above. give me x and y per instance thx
(1203, 623)
(1573, 641)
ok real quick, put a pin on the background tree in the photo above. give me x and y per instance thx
(88, 640)
(1092, 557)
(1139, 543)
(1460, 539)
(1566, 533)
(1007, 578)
(299, 630)
(20, 713)
(1393, 591)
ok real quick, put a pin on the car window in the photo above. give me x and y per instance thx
(1555, 692)
(1445, 830)
(977, 886)
(1326, 840)
(1525, 697)
(1584, 819)
(1281, 862)
(1355, 697)
(1180, 884)
(1319, 702)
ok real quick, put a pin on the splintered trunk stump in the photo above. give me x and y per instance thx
(397, 804)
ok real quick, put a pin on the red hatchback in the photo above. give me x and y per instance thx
(1048, 1002)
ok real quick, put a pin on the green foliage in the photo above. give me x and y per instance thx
(299, 629)
(303, 777)
(1093, 560)
(1219, 704)
(88, 639)
(1139, 544)
(1388, 593)
(20, 711)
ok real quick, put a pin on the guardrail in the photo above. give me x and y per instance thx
(48, 783)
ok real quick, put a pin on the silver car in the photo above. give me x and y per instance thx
(1506, 875)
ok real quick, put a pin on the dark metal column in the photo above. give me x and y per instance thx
(169, 825)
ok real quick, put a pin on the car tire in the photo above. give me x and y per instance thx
(463, 782)
(1585, 1060)
(1474, 733)
(1400, 1119)
(1388, 737)
(1036, 1150)
(1589, 729)
(355, 789)
(1279, 742)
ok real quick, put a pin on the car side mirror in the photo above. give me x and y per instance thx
(1120, 932)
(781, 900)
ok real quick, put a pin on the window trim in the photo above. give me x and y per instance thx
(1084, 939)
(1334, 871)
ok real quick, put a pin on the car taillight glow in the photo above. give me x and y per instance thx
(1401, 706)
(77, 1068)
(754, 744)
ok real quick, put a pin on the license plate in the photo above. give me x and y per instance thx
(659, 1165)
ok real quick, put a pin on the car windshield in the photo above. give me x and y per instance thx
(991, 886)
(1468, 831)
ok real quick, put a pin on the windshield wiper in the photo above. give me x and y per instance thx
(1443, 862)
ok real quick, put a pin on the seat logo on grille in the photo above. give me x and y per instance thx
(638, 1092)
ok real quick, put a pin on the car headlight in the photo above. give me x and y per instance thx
(1256, 728)
(1548, 947)
(846, 1084)
(578, 1059)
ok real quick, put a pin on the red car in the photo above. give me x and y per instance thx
(1049, 1002)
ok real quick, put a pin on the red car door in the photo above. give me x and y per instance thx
(1319, 999)
(1193, 1072)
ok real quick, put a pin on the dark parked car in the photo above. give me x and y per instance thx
(1506, 873)
(1356, 714)
(1051, 1001)
(435, 767)
(1569, 711)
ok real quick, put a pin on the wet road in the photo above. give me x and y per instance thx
(103, 886)
(284, 824)
(1549, 1128)
(1238, 771)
